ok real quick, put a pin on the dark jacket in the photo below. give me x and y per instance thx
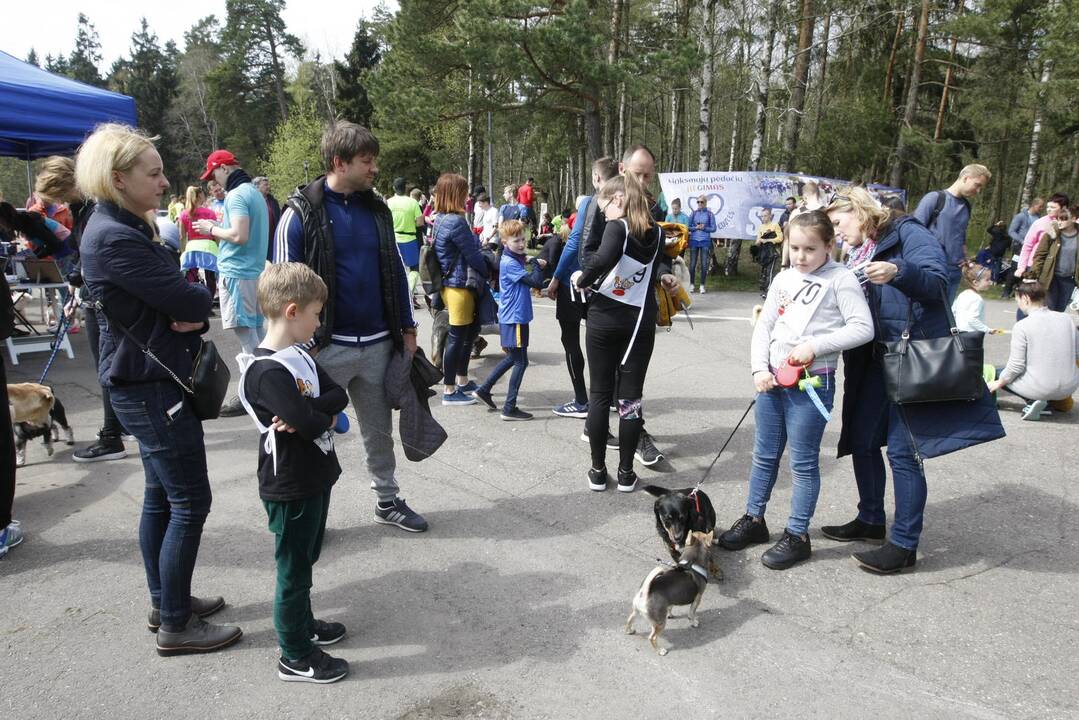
(918, 288)
(140, 285)
(407, 390)
(458, 249)
(318, 251)
(300, 469)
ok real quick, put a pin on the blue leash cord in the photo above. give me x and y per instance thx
(61, 331)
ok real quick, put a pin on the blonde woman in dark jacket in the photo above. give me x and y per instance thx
(136, 279)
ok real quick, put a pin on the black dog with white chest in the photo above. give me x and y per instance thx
(679, 512)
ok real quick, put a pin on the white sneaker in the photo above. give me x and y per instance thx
(702, 289)
(1034, 410)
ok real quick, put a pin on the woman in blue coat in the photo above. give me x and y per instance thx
(903, 271)
(458, 251)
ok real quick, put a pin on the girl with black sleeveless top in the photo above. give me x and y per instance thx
(621, 327)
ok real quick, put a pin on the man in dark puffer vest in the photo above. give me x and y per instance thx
(342, 230)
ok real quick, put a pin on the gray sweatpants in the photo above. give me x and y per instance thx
(362, 371)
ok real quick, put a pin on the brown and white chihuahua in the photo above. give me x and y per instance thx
(666, 587)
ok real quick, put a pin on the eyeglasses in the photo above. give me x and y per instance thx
(701, 202)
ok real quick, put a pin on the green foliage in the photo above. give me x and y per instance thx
(86, 55)
(247, 89)
(352, 101)
(293, 156)
(149, 76)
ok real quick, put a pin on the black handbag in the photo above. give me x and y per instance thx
(942, 369)
(209, 379)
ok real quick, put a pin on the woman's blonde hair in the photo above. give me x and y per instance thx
(638, 215)
(871, 216)
(56, 180)
(111, 148)
(191, 199)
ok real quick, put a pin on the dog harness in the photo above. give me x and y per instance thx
(693, 567)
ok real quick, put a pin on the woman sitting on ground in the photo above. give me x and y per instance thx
(1045, 349)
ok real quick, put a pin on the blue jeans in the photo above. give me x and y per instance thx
(788, 416)
(516, 358)
(1059, 293)
(879, 421)
(702, 255)
(177, 493)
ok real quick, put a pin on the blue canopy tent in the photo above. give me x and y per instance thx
(44, 114)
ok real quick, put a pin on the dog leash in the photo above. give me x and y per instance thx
(707, 472)
(61, 331)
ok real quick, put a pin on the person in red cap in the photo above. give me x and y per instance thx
(244, 235)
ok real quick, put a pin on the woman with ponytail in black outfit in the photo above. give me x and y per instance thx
(621, 326)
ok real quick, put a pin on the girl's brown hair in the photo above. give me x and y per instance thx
(972, 273)
(451, 192)
(814, 222)
(638, 215)
(1032, 290)
(55, 180)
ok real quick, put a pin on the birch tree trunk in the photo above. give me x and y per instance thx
(471, 139)
(798, 92)
(1035, 136)
(762, 86)
(902, 144)
(704, 153)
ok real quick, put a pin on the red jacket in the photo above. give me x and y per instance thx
(525, 195)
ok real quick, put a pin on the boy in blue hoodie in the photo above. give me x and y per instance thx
(514, 314)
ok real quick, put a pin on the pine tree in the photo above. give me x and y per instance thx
(31, 57)
(83, 62)
(352, 101)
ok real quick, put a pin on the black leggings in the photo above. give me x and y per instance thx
(607, 335)
(570, 314)
(458, 351)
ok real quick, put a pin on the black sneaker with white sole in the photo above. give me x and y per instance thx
(646, 453)
(327, 633)
(612, 441)
(316, 667)
(401, 515)
(100, 451)
(627, 481)
(485, 397)
(598, 479)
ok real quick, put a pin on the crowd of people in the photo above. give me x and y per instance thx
(322, 296)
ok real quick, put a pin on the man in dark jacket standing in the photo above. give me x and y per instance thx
(339, 227)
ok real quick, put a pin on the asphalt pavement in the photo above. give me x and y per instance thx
(512, 605)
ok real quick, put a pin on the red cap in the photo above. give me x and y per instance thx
(217, 159)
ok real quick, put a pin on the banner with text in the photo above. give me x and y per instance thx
(737, 198)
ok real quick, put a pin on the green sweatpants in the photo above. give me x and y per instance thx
(299, 526)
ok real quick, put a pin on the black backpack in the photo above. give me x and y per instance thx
(938, 206)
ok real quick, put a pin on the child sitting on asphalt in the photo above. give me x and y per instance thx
(514, 315)
(814, 310)
(295, 405)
